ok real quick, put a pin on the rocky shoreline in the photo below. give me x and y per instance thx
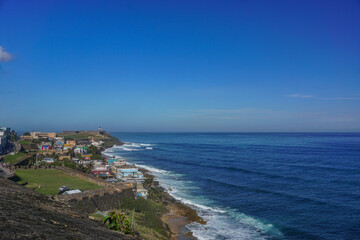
(179, 214)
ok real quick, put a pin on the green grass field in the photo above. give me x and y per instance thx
(47, 182)
(15, 158)
(25, 142)
(80, 136)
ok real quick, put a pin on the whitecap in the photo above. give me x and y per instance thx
(222, 223)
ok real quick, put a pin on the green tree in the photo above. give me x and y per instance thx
(71, 152)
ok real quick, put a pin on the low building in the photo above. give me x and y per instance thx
(59, 143)
(64, 157)
(69, 192)
(96, 144)
(83, 141)
(115, 161)
(43, 135)
(76, 160)
(81, 149)
(45, 146)
(67, 146)
(48, 160)
(71, 142)
(100, 169)
(129, 173)
(141, 191)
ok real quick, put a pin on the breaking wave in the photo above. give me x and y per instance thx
(222, 223)
(129, 147)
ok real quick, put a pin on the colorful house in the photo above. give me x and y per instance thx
(45, 147)
(81, 149)
(71, 142)
(129, 173)
(67, 146)
(59, 142)
(115, 161)
(48, 160)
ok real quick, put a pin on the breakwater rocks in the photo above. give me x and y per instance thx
(25, 214)
(99, 199)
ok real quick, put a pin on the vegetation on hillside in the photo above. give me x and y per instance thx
(146, 215)
(119, 222)
(154, 193)
(95, 152)
(25, 141)
(14, 159)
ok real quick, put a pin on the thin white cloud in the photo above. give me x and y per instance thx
(297, 95)
(5, 56)
(232, 111)
(341, 98)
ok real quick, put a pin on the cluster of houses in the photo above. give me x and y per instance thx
(111, 169)
(59, 143)
(117, 170)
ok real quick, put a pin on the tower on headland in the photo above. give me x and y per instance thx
(101, 131)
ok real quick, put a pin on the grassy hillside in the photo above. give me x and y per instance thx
(47, 181)
(13, 159)
(146, 215)
(108, 140)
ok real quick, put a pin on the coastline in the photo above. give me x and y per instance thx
(179, 214)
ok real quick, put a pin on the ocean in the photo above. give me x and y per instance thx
(257, 185)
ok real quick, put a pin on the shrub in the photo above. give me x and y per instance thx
(148, 213)
(118, 222)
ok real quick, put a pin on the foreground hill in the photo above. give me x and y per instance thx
(25, 214)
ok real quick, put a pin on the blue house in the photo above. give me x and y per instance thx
(130, 173)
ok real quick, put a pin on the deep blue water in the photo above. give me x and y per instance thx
(258, 185)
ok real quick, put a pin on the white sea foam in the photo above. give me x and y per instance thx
(129, 147)
(145, 144)
(224, 223)
(152, 169)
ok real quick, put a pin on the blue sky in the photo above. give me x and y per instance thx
(180, 65)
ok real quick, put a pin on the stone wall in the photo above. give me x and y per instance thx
(98, 199)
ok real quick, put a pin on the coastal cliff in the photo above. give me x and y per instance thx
(26, 214)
